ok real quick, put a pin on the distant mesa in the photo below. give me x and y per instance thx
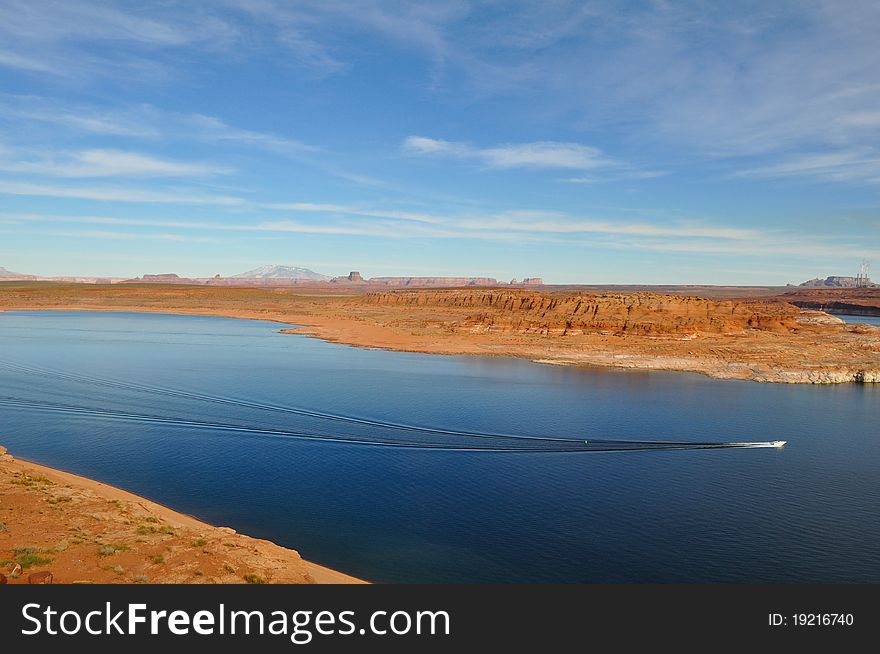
(428, 282)
(354, 277)
(528, 281)
(839, 281)
(162, 278)
(280, 276)
(282, 272)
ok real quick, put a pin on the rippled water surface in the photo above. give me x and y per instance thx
(407, 467)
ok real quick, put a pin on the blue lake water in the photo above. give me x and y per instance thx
(868, 320)
(228, 419)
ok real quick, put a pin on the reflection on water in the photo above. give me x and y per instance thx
(407, 467)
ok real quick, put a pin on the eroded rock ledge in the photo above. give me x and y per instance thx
(633, 313)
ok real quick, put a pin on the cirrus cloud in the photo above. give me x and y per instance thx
(537, 154)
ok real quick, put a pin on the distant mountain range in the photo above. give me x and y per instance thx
(282, 272)
(9, 273)
(281, 276)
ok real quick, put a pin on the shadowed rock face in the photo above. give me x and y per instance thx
(857, 301)
(636, 313)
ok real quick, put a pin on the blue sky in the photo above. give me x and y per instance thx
(595, 142)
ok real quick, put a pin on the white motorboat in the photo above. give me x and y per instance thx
(777, 444)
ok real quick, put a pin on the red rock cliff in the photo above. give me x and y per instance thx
(635, 313)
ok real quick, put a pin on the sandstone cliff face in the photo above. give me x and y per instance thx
(636, 313)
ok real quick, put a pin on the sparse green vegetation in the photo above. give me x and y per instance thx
(118, 569)
(27, 480)
(58, 498)
(110, 550)
(143, 530)
(199, 542)
(158, 559)
(230, 568)
(254, 579)
(30, 556)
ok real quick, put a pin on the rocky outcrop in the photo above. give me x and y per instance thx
(819, 318)
(820, 377)
(635, 313)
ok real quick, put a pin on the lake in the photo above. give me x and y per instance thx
(402, 467)
(867, 320)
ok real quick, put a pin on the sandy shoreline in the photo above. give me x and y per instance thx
(91, 532)
(813, 348)
(772, 359)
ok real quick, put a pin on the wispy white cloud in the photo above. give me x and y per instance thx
(401, 224)
(18, 110)
(119, 194)
(547, 222)
(102, 163)
(352, 210)
(867, 119)
(743, 80)
(140, 121)
(48, 120)
(60, 36)
(21, 62)
(783, 245)
(851, 165)
(540, 154)
(213, 129)
(627, 175)
(91, 234)
(513, 227)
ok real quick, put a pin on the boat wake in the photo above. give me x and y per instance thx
(379, 432)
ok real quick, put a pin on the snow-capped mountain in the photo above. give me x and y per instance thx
(282, 272)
